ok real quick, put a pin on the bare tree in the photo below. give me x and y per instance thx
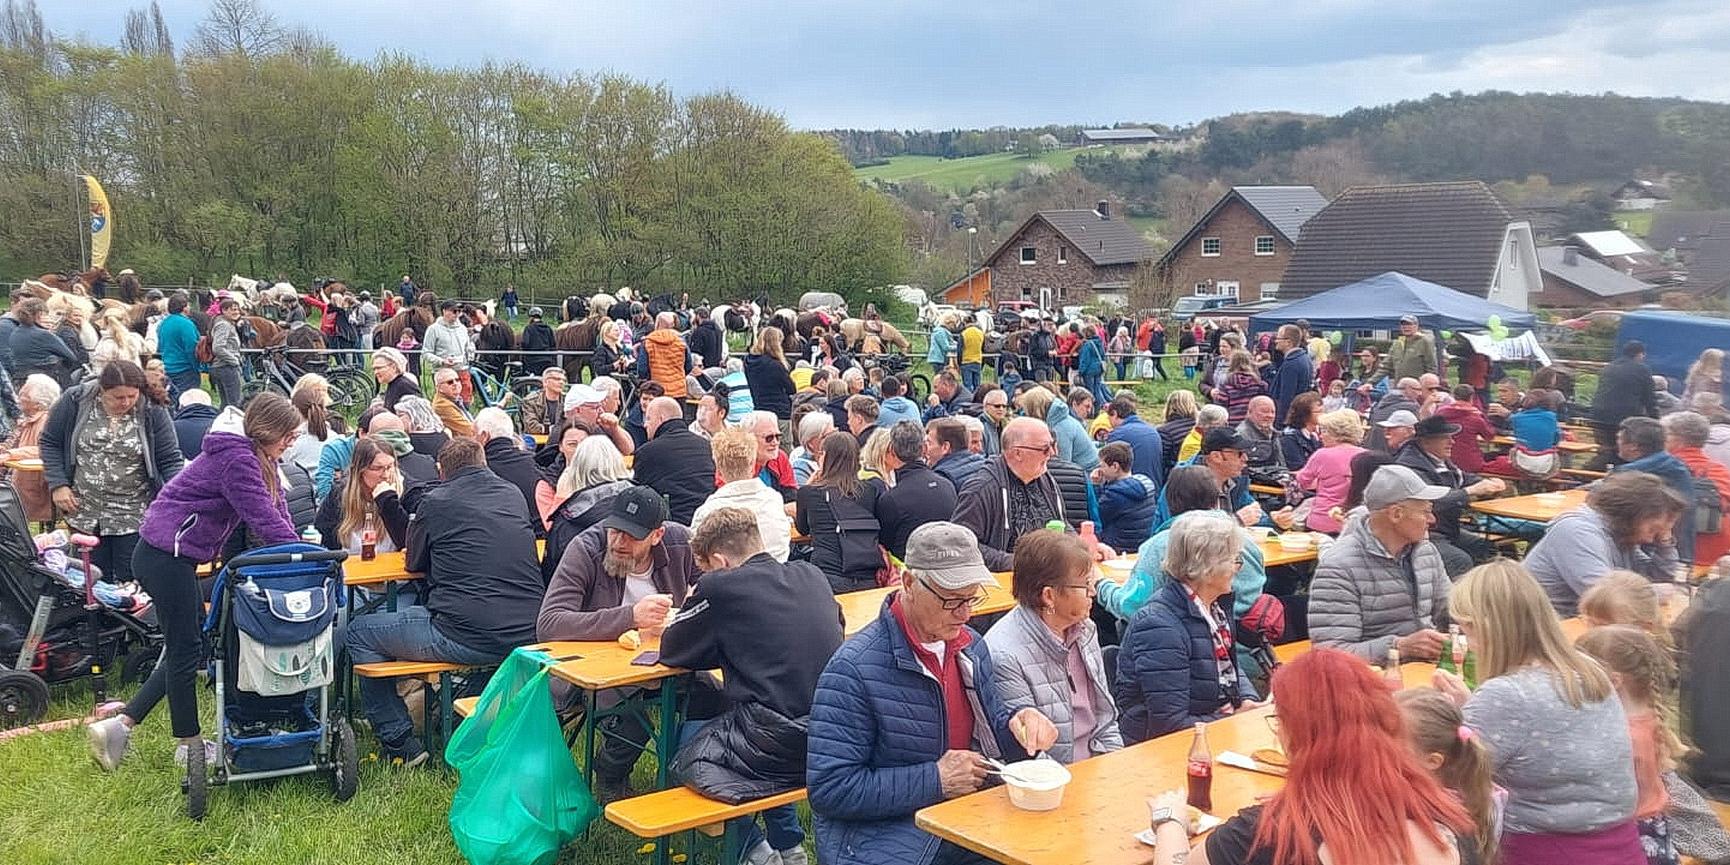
(21, 28)
(146, 32)
(237, 27)
(1334, 166)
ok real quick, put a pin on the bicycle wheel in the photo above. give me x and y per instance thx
(259, 384)
(919, 387)
(350, 391)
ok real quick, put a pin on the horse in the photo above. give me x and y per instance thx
(809, 321)
(855, 329)
(268, 332)
(573, 309)
(389, 331)
(577, 336)
(65, 281)
(495, 337)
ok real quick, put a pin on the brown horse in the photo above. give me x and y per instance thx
(854, 330)
(418, 317)
(579, 336)
(269, 332)
(65, 281)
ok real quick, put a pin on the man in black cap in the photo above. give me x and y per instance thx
(628, 572)
(1429, 454)
(1226, 454)
(537, 337)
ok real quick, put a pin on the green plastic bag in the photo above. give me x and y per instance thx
(521, 797)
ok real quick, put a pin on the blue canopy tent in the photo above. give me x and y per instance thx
(1378, 302)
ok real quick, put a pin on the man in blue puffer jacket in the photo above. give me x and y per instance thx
(895, 727)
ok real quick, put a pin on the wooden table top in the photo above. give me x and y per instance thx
(390, 567)
(1538, 507)
(1272, 555)
(1106, 803)
(25, 465)
(1565, 446)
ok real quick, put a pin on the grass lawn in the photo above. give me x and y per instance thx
(1635, 222)
(965, 175)
(57, 807)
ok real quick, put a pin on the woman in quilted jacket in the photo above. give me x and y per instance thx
(234, 480)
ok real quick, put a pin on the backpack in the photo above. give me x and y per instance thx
(1708, 507)
(204, 351)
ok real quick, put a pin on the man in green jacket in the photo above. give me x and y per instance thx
(1412, 353)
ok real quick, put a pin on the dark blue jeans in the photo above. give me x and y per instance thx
(781, 823)
(183, 381)
(970, 375)
(405, 635)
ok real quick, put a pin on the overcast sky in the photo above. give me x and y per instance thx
(924, 64)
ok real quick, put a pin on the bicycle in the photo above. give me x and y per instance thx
(507, 393)
(350, 388)
(918, 384)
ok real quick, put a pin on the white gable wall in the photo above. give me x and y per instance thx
(1517, 273)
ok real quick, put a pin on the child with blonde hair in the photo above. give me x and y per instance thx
(1645, 679)
(1458, 757)
(1626, 598)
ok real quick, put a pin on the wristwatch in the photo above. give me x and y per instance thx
(1161, 816)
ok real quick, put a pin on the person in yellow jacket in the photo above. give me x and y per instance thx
(972, 354)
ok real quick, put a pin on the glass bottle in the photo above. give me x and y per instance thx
(369, 538)
(1199, 768)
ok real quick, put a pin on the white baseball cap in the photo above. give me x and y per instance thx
(581, 394)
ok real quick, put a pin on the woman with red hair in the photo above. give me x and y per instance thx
(1354, 788)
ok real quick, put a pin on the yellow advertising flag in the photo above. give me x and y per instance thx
(101, 223)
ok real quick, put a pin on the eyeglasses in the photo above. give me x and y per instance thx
(1048, 450)
(951, 605)
(771, 437)
(1086, 587)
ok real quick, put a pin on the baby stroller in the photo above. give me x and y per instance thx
(274, 614)
(53, 632)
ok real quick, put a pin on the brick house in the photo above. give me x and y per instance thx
(1057, 258)
(1575, 280)
(1241, 246)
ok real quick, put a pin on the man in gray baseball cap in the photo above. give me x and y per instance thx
(912, 696)
(1383, 585)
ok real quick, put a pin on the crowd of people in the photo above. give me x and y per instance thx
(721, 508)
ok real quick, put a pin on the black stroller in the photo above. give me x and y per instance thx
(52, 631)
(272, 628)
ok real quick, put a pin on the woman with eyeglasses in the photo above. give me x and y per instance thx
(1046, 650)
(372, 488)
(1178, 664)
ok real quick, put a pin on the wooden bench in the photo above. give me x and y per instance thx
(430, 669)
(681, 809)
(465, 707)
(1583, 474)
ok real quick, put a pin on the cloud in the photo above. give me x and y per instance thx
(906, 64)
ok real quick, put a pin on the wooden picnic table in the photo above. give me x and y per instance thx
(25, 465)
(390, 567)
(540, 438)
(1106, 803)
(1538, 507)
(1272, 556)
(1567, 447)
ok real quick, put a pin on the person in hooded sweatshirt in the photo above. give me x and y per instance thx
(896, 407)
(234, 480)
(1126, 500)
(1073, 443)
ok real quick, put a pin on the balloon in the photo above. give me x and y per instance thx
(1447, 335)
(1335, 337)
(1494, 321)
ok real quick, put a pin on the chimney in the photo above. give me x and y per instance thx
(1104, 210)
(1570, 256)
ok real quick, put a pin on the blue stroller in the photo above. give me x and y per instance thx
(272, 627)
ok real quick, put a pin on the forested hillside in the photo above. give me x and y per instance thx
(260, 151)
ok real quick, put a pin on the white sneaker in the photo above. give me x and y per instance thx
(209, 753)
(794, 856)
(109, 739)
(762, 854)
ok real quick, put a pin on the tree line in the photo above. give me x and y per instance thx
(262, 150)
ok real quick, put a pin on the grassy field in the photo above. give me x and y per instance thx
(964, 175)
(1635, 222)
(58, 808)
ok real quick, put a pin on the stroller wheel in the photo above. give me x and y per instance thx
(139, 664)
(23, 698)
(197, 782)
(345, 761)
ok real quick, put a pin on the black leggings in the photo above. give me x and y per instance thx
(172, 582)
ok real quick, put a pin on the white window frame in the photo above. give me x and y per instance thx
(1216, 247)
(1203, 289)
(1272, 248)
(1063, 255)
(1025, 258)
(1269, 291)
(1225, 288)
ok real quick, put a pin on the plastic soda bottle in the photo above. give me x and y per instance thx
(1448, 662)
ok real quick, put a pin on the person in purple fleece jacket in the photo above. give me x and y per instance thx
(235, 479)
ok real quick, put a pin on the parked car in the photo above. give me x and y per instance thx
(1187, 308)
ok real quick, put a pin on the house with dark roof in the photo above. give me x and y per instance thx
(1641, 195)
(1575, 280)
(1127, 135)
(1058, 257)
(1457, 234)
(1241, 246)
